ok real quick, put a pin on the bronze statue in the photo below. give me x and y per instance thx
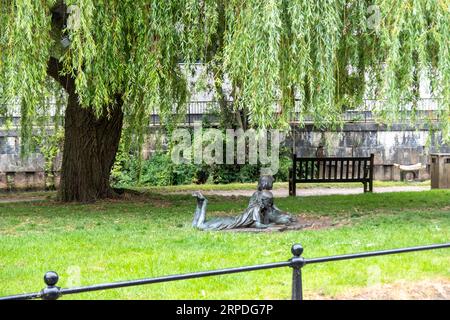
(274, 214)
(261, 213)
(255, 216)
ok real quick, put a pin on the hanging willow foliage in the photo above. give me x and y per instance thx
(329, 54)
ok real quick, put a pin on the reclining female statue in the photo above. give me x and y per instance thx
(255, 216)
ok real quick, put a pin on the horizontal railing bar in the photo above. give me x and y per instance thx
(290, 263)
(25, 296)
(123, 284)
(130, 283)
(375, 253)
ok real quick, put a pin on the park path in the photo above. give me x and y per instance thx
(313, 191)
(25, 199)
(283, 192)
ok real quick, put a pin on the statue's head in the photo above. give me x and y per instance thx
(266, 199)
(265, 183)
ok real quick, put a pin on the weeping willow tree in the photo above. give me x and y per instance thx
(118, 60)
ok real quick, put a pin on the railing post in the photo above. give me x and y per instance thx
(51, 292)
(297, 262)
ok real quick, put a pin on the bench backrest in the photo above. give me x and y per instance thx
(334, 169)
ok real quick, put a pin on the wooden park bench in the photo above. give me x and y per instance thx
(321, 170)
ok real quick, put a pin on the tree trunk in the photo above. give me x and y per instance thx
(90, 147)
(90, 144)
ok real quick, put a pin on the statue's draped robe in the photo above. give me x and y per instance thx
(273, 213)
(245, 220)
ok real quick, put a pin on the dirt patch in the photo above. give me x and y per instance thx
(431, 289)
(302, 223)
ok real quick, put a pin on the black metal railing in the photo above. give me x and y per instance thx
(196, 111)
(297, 262)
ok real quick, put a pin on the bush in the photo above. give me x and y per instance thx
(226, 173)
(159, 170)
(285, 164)
(125, 170)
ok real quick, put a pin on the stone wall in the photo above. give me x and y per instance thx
(17, 173)
(397, 144)
(390, 145)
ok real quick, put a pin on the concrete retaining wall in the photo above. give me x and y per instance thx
(397, 144)
(390, 145)
(17, 173)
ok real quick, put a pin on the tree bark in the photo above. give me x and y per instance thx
(90, 142)
(90, 145)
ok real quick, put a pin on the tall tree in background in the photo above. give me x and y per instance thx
(117, 60)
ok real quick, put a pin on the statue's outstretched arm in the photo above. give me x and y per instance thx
(259, 225)
(277, 211)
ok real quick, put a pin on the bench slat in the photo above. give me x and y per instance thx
(335, 169)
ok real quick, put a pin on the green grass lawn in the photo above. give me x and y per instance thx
(151, 236)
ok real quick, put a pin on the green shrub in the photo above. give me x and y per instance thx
(284, 165)
(125, 170)
(159, 170)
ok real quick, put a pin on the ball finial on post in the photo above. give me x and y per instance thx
(297, 262)
(51, 278)
(297, 250)
(51, 292)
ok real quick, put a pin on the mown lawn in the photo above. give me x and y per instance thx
(151, 236)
